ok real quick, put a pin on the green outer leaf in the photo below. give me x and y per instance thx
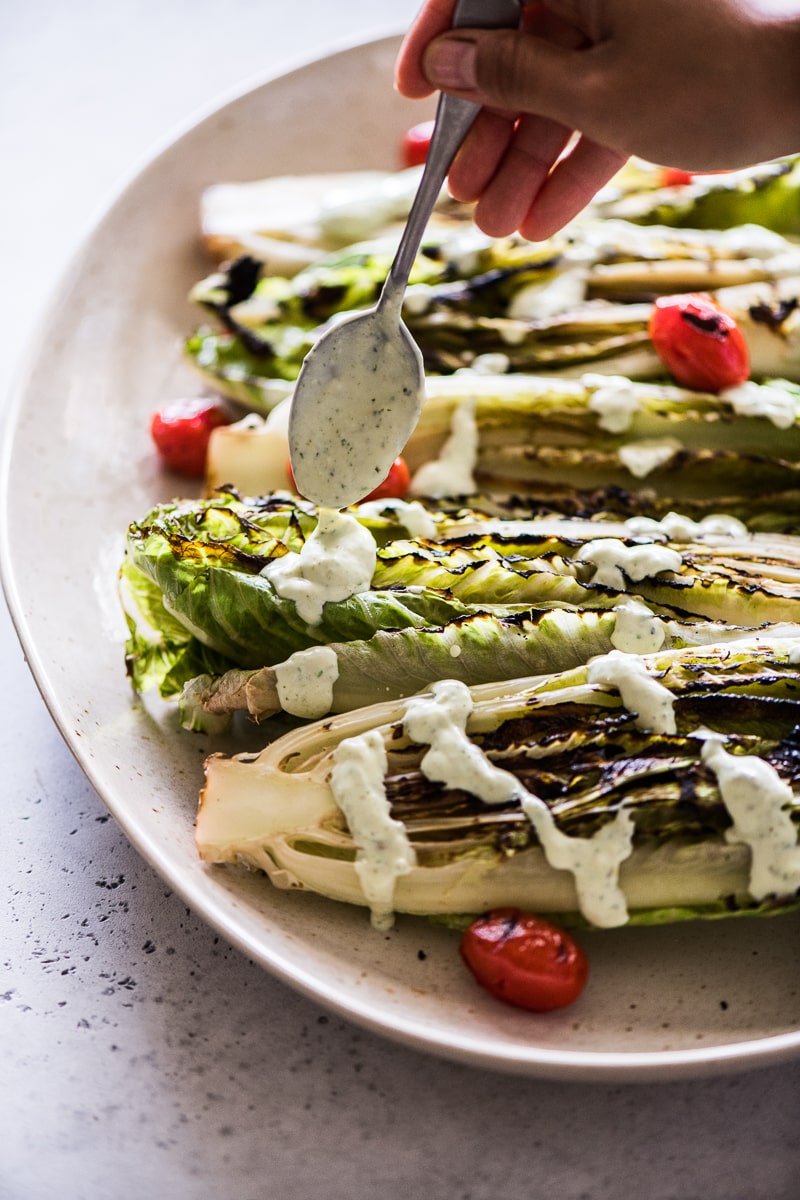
(732, 906)
(767, 194)
(204, 607)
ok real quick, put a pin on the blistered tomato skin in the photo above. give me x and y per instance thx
(700, 345)
(525, 960)
(394, 487)
(415, 144)
(181, 430)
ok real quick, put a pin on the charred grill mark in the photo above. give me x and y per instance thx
(773, 316)
(468, 289)
(606, 762)
(241, 279)
(223, 553)
(325, 298)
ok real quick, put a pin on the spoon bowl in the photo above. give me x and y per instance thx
(361, 389)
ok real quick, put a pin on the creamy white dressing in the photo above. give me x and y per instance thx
(513, 333)
(336, 561)
(647, 455)
(593, 861)
(610, 237)
(354, 211)
(487, 364)
(614, 399)
(614, 561)
(464, 250)
(752, 241)
(637, 630)
(750, 399)
(649, 700)
(759, 803)
(440, 720)
(384, 849)
(451, 474)
(412, 515)
(677, 528)
(304, 682)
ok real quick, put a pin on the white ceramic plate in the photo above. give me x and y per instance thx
(79, 467)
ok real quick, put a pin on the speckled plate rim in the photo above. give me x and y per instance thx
(216, 903)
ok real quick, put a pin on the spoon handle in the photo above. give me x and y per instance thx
(454, 117)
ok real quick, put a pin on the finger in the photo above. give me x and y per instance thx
(433, 18)
(507, 197)
(509, 70)
(569, 187)
(560, 21)
(480, 155)
(436, 17)
(587, 17)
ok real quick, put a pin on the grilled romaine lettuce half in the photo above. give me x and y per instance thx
(566, 799)
(607, 432)
(765, 194)
(593, 443)
(478, 599)
(576, 301)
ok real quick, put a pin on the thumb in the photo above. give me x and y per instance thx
(506, 69)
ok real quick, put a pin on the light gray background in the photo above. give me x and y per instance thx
(142, 1057)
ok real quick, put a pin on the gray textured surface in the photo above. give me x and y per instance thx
(142, 1056)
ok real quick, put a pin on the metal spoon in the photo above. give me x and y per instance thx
(361, 387)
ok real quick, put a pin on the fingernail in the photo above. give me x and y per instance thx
(450, 63)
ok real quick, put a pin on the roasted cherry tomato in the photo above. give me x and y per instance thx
(699, 344)
(525, 960)
(394, 486)
(415, 143)
(181, 430)
(677, 177)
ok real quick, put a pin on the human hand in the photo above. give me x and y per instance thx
(699, 84)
